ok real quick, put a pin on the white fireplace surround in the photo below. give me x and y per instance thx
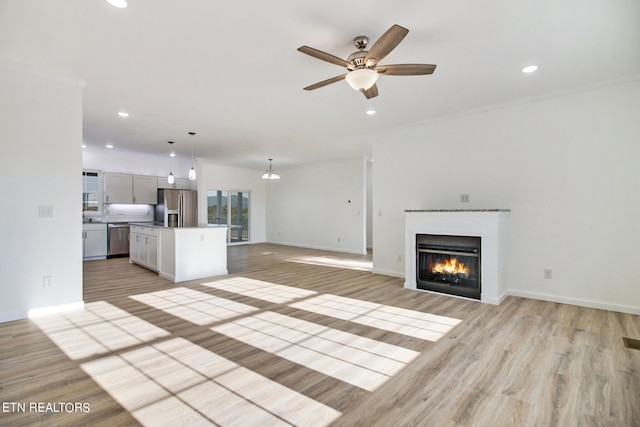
(488, 224)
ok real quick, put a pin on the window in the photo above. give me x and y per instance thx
(90, 190)
(230, 208)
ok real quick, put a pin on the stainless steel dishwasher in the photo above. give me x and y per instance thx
(117, 240)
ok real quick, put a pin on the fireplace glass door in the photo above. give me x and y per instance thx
(449, 264)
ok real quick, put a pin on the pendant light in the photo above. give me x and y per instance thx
(270, 173)
(192, 172)
(171, 179)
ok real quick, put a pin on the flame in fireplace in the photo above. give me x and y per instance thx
(451, 266)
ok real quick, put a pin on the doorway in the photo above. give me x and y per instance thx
(230, 208)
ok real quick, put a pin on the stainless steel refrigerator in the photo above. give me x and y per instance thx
(177, 208)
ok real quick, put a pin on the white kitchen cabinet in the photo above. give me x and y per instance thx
(143, 246)
(163, 183)
(152, 252)
(124, 188)
(179, 183)
(182, 184)
(94, 241)
(145, 189)
(118, 188)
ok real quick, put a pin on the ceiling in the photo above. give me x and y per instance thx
(230, 71)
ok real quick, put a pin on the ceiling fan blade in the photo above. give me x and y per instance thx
(325, 82)
(324, 56)
(385, 44)
(372, 92)
(406, 69)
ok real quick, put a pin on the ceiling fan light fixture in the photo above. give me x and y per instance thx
(361, 79)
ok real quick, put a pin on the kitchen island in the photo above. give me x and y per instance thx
(180, 253)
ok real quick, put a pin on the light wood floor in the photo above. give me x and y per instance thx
(305, 337)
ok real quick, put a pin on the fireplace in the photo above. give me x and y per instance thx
(485, 279)
(448, 264)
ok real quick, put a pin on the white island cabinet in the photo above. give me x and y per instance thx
(189, 253)
(143, 246)
(180, 253)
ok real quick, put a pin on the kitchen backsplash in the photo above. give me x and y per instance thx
(128, 213)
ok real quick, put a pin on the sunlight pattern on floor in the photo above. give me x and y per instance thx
(357, 360)
(176, 382)
(325, 261)
(194, 306)
(97, 329)
(265, 291)
(416, 324)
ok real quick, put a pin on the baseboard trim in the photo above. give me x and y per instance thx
(320, 248)
(576, 301)
(538, 296)
(36, 312)
(388, 273)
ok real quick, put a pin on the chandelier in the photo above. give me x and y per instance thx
(270, 173)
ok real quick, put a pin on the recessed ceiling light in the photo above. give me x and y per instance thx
(84, 145)
(118, 3)
(371, 111)
(530, 69)
(172, 154)
(109, 145)
(123, 114)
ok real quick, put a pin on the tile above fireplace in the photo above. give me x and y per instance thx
(457, 252)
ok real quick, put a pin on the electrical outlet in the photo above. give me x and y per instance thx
(338, 239)
(548, 273)
(464, 198)
(400, 257)
(48, 281)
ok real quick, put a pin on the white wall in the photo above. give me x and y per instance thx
(218, 177)
(320, 206)
(369, 202)
(567, 166)
(114, 160)
(41, 165)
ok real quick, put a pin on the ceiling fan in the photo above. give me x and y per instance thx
(363, 65)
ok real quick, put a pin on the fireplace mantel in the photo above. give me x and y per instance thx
(488, 224)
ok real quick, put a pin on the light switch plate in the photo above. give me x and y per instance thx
(45, 211)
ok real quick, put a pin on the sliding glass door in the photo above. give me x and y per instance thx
(230, 208)
(239, 216)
